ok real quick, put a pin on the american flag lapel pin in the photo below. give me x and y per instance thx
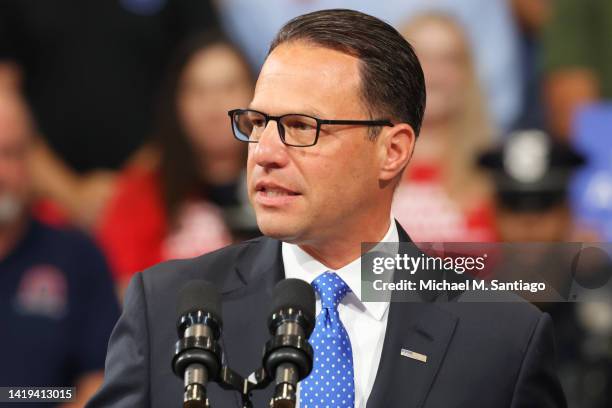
(414, 355)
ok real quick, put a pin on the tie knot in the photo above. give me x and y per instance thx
(331, 289)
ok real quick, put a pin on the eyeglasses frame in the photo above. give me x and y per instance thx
(320, 122)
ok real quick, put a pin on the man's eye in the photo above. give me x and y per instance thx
(299, 125)
(258, 123)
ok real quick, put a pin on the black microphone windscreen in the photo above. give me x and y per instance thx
(199, 295)
(297, 294)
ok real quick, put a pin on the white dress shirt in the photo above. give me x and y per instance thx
(365, 322)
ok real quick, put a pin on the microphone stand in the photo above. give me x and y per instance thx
(230, 380)
(281, 349)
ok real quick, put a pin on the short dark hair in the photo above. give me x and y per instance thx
(392, 81)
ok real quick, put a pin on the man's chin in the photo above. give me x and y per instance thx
(277, 227)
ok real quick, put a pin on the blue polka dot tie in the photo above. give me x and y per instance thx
(331, 382)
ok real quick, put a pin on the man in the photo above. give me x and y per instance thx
(319, 190)
(531, 172)
(532, 205)
(57, 303)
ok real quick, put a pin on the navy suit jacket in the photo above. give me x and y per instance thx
(478, 355)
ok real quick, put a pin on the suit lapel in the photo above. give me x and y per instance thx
(261, 261)
(246, 303)
(420, 328)
(412, 327)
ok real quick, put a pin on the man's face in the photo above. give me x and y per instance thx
(549, 225)
(307, 194)
(14, 184)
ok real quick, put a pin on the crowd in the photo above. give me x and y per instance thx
(116, 151)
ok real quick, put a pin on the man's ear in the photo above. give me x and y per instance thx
(396, 146)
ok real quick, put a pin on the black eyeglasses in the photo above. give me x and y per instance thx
(294, 129)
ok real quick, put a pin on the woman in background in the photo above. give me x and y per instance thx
(183, 197)
(443, 197)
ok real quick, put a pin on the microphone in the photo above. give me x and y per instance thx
(197, 356)
(288, 356)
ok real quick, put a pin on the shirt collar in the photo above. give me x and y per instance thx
(299, 264)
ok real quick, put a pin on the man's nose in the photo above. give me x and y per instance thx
(270, 151)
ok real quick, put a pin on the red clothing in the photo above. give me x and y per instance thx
(424, 209)
(50, 213)
(134, 230)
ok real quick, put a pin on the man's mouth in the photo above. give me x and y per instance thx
(272, 189)
(272, 194)
(276, 192)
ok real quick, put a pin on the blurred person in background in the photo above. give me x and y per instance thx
(57, 303)
(577, 60)
(488, 24)
(189, 199)
(531, 16)
(89, 72)
(532, 173)
(443, 197)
